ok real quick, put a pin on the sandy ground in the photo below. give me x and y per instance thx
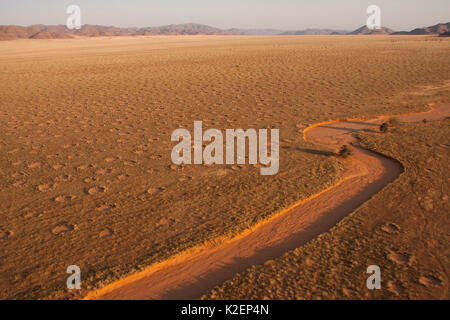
(366, 173)
(85, 170)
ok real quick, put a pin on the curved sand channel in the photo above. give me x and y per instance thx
(191, 275)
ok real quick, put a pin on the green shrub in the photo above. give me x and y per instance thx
(384, 127)
(345, 151)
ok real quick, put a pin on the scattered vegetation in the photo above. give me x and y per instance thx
(384, 127)
(119, 124)
(394, 121)
(345, 151)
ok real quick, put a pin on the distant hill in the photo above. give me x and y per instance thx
(433, 30)
(40, 31)
(17, 32)
(255, 32)
(314, 32)
(364, 30)
(179, 29)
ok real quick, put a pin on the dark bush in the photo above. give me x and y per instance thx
(384, 127)
(345, 151)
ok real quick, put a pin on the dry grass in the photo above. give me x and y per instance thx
(403, 229)
(85, 171)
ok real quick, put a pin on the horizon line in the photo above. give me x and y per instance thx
(207, 25)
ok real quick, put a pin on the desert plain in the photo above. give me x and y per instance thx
(86, 176)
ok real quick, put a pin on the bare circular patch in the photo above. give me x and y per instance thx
(45, 187)
(34, 165)
(390, 228)
(399, 258)
(103, 171)
(64, 198)
(154, 191)
(96, 190)
(105, 233)
(64, 178)
(396, 287)
(30, 215)
(61, 229)
(106, 207)
(185, 178)
(430, 281)
(5, 234)
(18, 183)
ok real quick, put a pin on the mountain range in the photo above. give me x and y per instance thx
(40, 31)
(437, 29)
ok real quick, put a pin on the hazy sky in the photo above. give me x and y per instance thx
(279, 14)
